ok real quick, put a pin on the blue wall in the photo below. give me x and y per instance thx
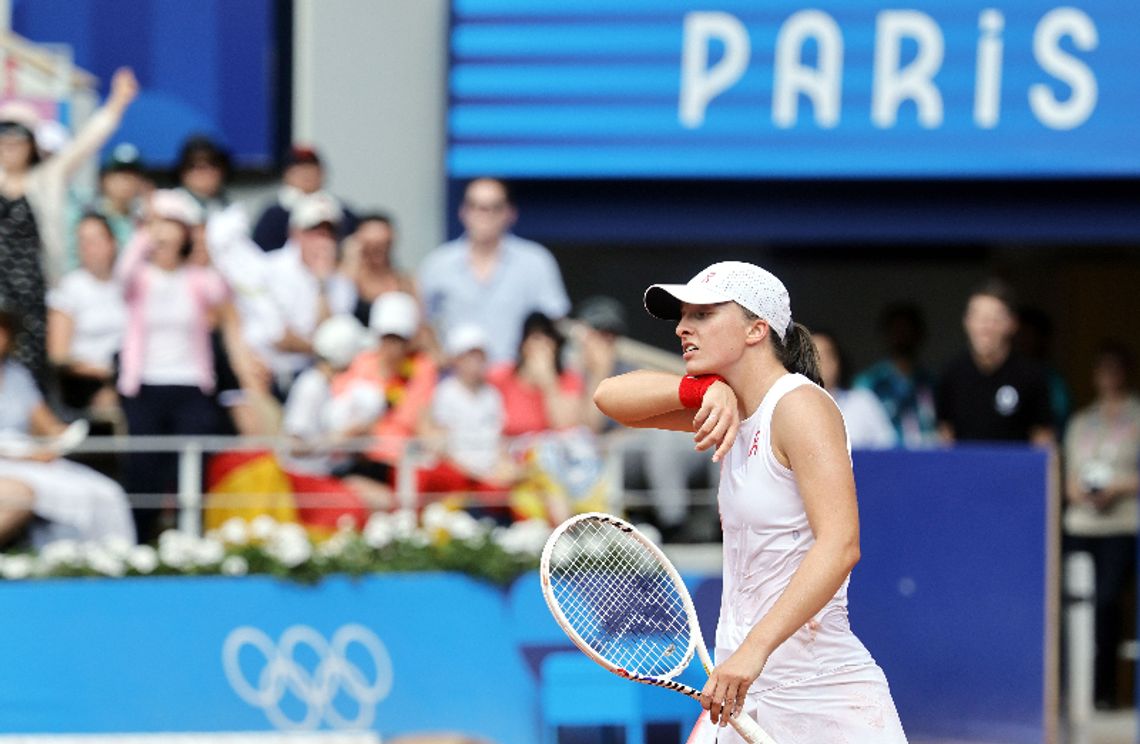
(950, 598)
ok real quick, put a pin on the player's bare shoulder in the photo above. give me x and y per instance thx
(807, 418)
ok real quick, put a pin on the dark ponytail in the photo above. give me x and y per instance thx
(797, 353)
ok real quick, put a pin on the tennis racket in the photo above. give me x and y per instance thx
(624, 605)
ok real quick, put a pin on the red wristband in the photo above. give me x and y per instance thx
(692, 389)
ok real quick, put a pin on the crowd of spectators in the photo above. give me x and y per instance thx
(155, 310)
(150, 309)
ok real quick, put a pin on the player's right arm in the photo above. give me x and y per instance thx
(647, 399)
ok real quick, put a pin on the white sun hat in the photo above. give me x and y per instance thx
(179, 206)
(750, 286)
(466, 337)
(339, 339)
(395, 314)
(315, 209)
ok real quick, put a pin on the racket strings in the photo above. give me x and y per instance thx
(620, 600)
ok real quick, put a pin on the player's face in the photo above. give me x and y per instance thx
(712, 336)
(989, 325)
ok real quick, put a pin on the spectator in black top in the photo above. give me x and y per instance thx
(1034, 340)
(304, 175)
(203, 170)
(990, 392)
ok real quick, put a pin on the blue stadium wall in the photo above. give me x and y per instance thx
(955, 596)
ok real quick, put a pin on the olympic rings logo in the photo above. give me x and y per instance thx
(333, 677)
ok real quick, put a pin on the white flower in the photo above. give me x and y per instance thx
(262, 527)
(176, 549)
(235, 565)
(462, 526)
(103, 561)
(119, 547)
(143, 559)
(404, 523)
(435, 517)
(378, 532)
(290, 545)
(59, 553)
(346, 523)
(335, 545)
(208, 552)
(419, 540)
(523, 538)
(16, 567)
(234, 531)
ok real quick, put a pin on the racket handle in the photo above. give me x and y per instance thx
(750, 730)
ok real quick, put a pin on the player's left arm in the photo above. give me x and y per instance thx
(808, 436)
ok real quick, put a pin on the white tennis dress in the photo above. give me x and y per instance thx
(821, 685)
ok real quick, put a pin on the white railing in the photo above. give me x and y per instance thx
(190, 496)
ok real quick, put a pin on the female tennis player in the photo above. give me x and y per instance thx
(785, 653)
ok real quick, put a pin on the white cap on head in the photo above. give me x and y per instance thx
(748, 285)
(466, 337)
(315, 209)
(176, 205)
(339, 339)
(395, 314)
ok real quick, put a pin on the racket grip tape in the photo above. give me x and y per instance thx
(750, 730)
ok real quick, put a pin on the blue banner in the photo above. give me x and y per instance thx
(205, 67)
(393, 654)
(737, 89)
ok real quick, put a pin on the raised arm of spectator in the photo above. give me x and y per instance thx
(61, 167)
(98, 129)
(563, 406)
(598, 361)
(132, 260)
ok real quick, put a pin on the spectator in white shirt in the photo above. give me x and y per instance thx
(317, 424)
(868, 426)
(305, 284)
(465, 428)
(71, 501)
(87, 317)
(489, 276)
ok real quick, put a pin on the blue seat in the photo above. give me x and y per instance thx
(575, 691)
